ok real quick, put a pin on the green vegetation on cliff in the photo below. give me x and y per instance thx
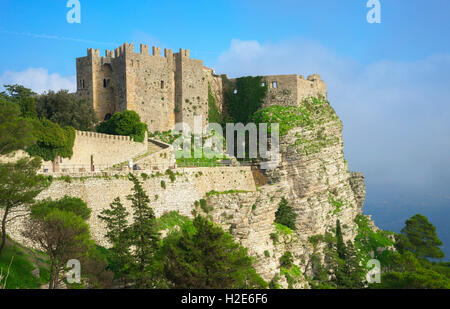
(311, 113)
(28, 269)
(312, 117)
(214, 115)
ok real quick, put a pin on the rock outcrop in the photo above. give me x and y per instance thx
(313, 176)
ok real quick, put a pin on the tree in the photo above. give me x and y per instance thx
(15, 131)
(342, 267)
(59, 228)
(285, 215)
(23, 97)
(124, 123)
(340, 245)
(62, 235)
(52, 140)
(208, 258)
(144, 236)
(67, 203)
(117, 234)
(19, 185)
(66, 109)
(420, 238)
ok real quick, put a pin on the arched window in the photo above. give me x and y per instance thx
(107, 116)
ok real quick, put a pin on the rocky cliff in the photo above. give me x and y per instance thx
(313, 176)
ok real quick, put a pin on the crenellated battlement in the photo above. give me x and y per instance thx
(184, 52)
(91, 52)
(169, 88)
(103, 136)
(128, 48)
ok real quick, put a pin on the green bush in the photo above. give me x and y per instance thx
(285, 215)
(286, 260)
(124, 123)
(51, 140)
(171, 175)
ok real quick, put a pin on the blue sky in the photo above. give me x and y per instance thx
(409, 30)
(389, 82)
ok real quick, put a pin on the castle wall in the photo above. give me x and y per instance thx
(191, 89)
(150, 87)
(216, 83)
(281, 90)
(190, 185)
(291, 90)
(173, 88)
(106, 150)
(313, 86)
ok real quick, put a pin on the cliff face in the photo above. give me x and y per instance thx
(313, 176)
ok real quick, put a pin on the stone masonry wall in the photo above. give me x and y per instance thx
(192, 89)
(106, 150)
(151, 87)
(190, 185)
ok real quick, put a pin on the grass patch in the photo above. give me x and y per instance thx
(213, 192)
(25, 260)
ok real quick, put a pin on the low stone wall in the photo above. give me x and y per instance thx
(190, 185)
(105, 150)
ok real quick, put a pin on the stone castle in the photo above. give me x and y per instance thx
(312, 174)
(170, 89)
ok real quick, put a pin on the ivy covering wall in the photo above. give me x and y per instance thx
(245, 98)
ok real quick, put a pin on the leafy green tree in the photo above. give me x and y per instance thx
(15, 131)
(62, 235)
(19, 185)
(422, 278)
(245, 98)
(52, 140)
(23, 97)
(67, 203)
(60, 229)
(144, 236)
(124, 123)
(208, 258)
(420, 238)
(405, 271)
(285, 215)
(117, 234)
(66, 109)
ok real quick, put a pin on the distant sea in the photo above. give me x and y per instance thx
(390, 209)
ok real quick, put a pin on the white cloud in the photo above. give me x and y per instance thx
(396, 114)
(39, 80)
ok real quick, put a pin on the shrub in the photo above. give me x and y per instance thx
(286, 260)
(285, 215)
(124, 123)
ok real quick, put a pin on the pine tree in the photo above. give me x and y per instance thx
(420, 238)
(285, 215)
(340, 246)
(143, 235)
(117, 234)
(208, 258)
